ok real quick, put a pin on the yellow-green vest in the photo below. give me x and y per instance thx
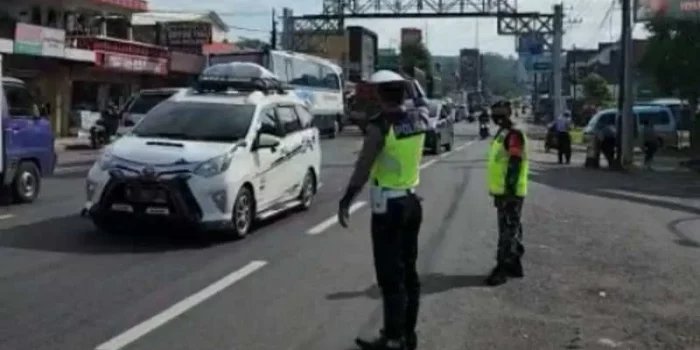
(498, 159)
(398, 165)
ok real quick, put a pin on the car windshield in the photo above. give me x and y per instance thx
(217, 122)
(145, 102)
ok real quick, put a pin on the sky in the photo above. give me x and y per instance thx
(585, 23)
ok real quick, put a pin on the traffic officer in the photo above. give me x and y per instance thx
(390, 160)
(507, 175)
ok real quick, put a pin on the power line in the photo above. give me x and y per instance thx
(603, 22)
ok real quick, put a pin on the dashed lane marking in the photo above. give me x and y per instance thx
(180, 308)
(325, 224)
(6, 216)
(328, 223)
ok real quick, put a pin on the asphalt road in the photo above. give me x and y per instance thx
(612, 262)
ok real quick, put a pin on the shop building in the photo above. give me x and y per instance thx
(81, 54)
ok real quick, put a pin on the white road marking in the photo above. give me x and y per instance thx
(6, 216)
(428, 163)
(178, 309)
(326, 224)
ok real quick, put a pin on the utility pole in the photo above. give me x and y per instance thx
(556, 59)
(626, 120)
(273, 36)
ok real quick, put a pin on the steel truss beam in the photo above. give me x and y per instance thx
(309, 30)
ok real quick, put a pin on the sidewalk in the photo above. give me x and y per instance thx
(71, 143)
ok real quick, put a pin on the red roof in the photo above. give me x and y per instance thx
(219, 48)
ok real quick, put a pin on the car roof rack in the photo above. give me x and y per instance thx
(241, 77)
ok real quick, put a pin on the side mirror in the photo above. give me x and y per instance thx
(266, 141)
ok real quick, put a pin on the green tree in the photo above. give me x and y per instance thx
(671, 59)
(500, 75)
(416, 55)
(251, 44)
(596, 90)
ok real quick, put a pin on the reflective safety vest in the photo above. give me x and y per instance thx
(398, 165)
(498, 159)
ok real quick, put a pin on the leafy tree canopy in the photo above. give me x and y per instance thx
(416, 55)
(251, 44)
(596, 89)
(500, 75)
(671, 58)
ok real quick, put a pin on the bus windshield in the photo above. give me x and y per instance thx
(305, 72)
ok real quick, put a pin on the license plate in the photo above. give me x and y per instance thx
(122, 207)
(157, 211)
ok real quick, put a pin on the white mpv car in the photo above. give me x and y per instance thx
(216, 157)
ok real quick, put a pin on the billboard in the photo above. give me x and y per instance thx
(469, 68)
(362, 53)
(646, 10)
(411, 35)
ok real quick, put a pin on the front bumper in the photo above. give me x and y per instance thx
(135, 200)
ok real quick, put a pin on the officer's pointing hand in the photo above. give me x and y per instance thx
(343, 214)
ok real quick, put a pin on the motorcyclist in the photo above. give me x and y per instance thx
(390, 160)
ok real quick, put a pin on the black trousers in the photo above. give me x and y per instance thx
(510, 230)
(564, 147)
(650, 148)
(395, 248)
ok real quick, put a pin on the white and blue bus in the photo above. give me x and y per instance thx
(316, 80)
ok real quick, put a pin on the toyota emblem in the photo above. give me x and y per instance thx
(149, 171)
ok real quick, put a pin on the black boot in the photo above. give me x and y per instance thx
(515, 269)
(381, 343)
(498, 276)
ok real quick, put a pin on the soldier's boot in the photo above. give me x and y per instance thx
(515, 269)
(498, 276)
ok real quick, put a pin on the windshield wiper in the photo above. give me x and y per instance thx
(166, 135)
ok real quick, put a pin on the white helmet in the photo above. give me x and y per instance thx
(385, 76)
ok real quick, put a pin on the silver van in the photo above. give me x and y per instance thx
(661, 118)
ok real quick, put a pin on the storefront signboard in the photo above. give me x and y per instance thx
(39, 41)
(136, 64)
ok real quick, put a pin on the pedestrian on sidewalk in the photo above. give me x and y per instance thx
(563, 129)
(650, 142)
(390, 159)
(507, 175)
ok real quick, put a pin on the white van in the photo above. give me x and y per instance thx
(661, 118)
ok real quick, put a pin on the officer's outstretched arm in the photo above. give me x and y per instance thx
(371, 148)
(515, 145)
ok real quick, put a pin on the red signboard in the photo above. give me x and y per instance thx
(131, 63)
(136, 5)
(127, 47)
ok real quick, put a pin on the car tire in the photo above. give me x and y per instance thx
(243, 213)
(27, 183)
(308, 191)
(437, 145)
(448, 146)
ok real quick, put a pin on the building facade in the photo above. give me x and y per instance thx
(80, 55)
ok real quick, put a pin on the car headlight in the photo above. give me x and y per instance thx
(106, 161)
(214, 166)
